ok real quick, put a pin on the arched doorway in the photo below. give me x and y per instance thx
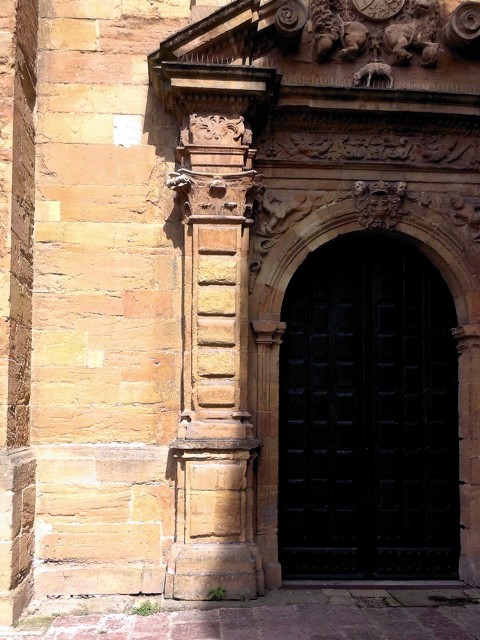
(368, 475)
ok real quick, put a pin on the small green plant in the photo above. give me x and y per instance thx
(147, 608)
(217, 594)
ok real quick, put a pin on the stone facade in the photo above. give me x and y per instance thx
(145, 261)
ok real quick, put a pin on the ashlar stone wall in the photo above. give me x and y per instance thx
(107, 309)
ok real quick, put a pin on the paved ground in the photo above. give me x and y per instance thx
(328, 614)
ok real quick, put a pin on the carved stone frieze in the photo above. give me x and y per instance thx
(210, 195)
(371, 147)
(216, 129)
(379, 203)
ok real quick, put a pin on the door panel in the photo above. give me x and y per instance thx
(368, 418)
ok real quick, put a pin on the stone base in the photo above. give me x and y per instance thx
(17, 499)
(273, 575)
(195, 570)
(470, 571)
(14, 602)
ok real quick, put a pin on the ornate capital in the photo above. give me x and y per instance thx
(215, 197)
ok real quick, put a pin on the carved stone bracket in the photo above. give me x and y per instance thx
(268, 332)
(379, 203)
(218, 141)
(466, 336)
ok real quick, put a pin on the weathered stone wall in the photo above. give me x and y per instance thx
(107, 302)
(17, 188)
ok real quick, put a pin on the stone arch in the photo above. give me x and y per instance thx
(457, 259)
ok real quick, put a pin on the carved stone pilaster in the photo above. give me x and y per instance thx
(217, 213)
(214, 533)
(268, 336)
(468, 345)
(214, 448)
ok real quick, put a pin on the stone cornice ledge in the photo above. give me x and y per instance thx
(175, 82)
(378, 100)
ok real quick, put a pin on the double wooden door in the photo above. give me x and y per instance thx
(368, 416)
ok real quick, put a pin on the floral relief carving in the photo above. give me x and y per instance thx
(379, 203)
(216, 130)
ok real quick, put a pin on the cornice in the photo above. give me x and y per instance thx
(379, 101)
(180, 83)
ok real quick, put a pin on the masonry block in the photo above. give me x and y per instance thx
(216, 300)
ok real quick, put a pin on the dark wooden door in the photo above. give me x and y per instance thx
(368, 416)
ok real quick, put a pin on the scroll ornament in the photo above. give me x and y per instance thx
(462, 31)
(370, 146)
(379, 203)
(290, 19)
